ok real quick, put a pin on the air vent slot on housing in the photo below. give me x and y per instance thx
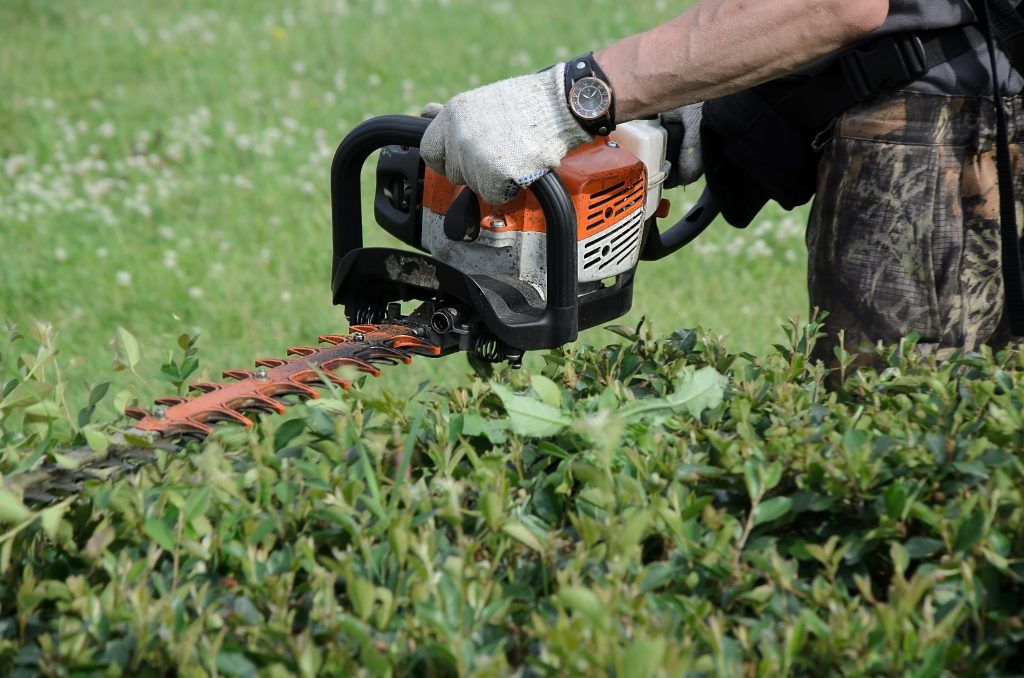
(606, 253)
(610, 204)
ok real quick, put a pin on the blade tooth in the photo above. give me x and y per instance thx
(338, 381)
(360, 365)
(302, 350)
(259, 403)
(205, 386)
(371, 371)
(383, 353)
(427, 351)
(271, 362)
(137, 413)
(240, 375)
(190, 428)
(415, 344)
(288, 387)
(227, 414)
(328, 368)
(333, 339)
(170, 401)
(383, 359)
(161, 426)
(305, 378)
(315, 378)
(363, 329)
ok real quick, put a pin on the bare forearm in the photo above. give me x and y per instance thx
(723, 46)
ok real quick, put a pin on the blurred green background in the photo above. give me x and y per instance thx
(164, 167)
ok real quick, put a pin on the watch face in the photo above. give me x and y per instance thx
(590, 98)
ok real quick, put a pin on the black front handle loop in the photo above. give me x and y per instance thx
(403, 130)
(660, 245)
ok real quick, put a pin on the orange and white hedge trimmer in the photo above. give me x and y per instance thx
(492, 280)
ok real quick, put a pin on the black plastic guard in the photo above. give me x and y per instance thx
(380, 276)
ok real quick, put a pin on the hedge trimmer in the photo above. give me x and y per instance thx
(491, 280)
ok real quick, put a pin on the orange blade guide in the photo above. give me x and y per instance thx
(262, 389)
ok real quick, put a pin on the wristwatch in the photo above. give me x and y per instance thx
(590, 97)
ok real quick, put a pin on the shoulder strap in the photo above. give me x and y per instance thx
(1007, 27)
(862, 72)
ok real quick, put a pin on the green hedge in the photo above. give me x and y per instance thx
(658, 507)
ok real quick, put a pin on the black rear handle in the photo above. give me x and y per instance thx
(660, 245)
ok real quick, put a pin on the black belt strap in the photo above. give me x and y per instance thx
(864, 71)
(1005, 25)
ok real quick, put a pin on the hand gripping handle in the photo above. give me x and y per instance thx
(376, 133)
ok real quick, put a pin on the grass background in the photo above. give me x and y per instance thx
(164, 167)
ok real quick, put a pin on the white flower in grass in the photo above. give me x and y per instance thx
(176, 152)
(286, 296)
(123, 278)
(102, 252)
(706, 249)
(764, 228)
(520, 59)
(790, 256)
(735, 247)
(195, 292)
(60, 254)
(170, 259)
(106, 130)
(758, 249)
(790, 228)
(373, 80)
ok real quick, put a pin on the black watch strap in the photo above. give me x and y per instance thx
(585, 66)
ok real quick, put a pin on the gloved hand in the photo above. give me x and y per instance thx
(688, 165)
(504, 136)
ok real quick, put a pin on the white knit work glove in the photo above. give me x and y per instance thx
(504, 136)
(689, 165)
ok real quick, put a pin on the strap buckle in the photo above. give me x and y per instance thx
(884, 63)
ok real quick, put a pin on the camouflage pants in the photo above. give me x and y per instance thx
(904, 232)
